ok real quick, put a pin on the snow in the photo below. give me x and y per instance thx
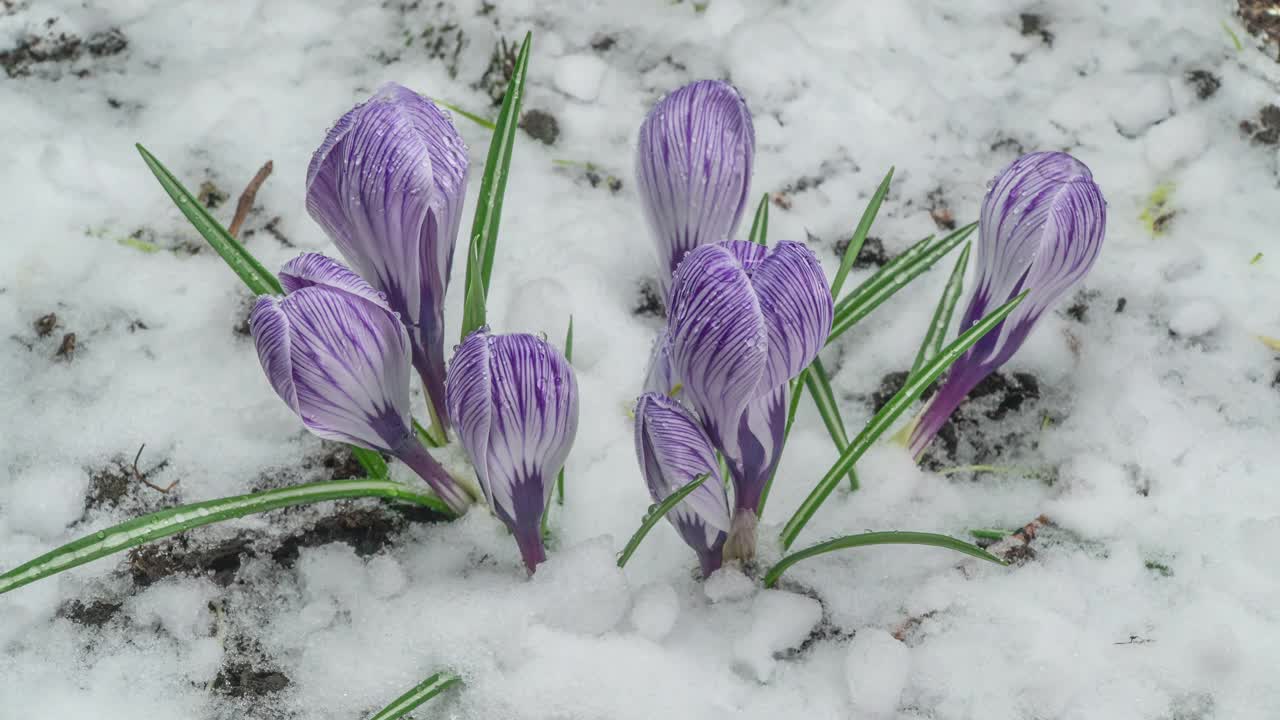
(1151, 445)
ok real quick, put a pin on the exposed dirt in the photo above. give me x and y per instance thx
(541, 125)
(1204, 82)
(54, 52)
(649, 302)
(1265, 128)
(95, 614)
(872, 253)
(1261, 19)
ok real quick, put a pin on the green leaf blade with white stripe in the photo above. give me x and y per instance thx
(931, 345)
(656, 513)
(421, 693)
(241, 262)
(760, 224)
(878, 538)
(883, 419)
(860, 234)
(891, 278)
(179, 519)
(818, 383)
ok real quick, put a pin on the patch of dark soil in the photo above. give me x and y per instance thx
(1078, 310)
(1265, 129)
(1009, 146)
(502, 63)
(1261, 19)
(338, 461)
(603, 43)
(999, 417)
(53, 50)
(444, 43)
(120, 480)
(67, 348)
(211, 196)
(1204, 82)
(96, 614)
(1034, 24)
(1120, 305)
(366, 530)
(872, 253)
(45, 325)
(180, 556)
(248, 671)
(649, 302)
(541, 125)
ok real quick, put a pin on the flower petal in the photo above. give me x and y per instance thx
(718, 337)
(350, 367)
(673, 450)
(797, 307)
(660, 377)
(470, 401)
(754, 450)
(387, 185)
(693, 168)
(270, 329)
(315, 269)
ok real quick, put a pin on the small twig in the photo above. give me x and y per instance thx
(142, 477)
(245, 203)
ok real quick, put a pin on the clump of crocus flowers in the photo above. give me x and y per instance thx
(387, 185)
(743, 320)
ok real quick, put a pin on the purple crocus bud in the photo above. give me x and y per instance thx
(387, 185)
(339, 357)
(1041, 229)
(514, 400)
(744, 320)
(754, 449)
(673, 451)
(693, 168)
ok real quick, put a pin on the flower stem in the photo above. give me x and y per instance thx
(415, 455)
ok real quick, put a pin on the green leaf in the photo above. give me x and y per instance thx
(937, 332)
(473, 308)
(426, 436)
(656, 513)
(493, 184)
(797, 392)
(878, 538)
(760, 225)
(470, 116)
(568, 355)
(371, 461)
(860, 234)
(424, 691)
(252, 272)
(989, 533)
(819, 386)
(891, 278)
(881, 421)
(185, 517)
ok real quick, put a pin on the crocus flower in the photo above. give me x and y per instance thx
(514, 400)
(339, 357)
(673, 451)
(387, 185)
(1041, 228)
(743, 322)
(693, 169)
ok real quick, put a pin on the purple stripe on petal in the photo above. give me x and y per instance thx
(1041, 229)
(673, 450)
(755, 448)
(524, 392)
(797, 307)
(387, 185)
(350, 368)
(270, 329)
(717, 335)
(315, 269)
(693, 168)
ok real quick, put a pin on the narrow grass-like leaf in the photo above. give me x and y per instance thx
(989, 533)
(568, 355)
(493, 184)
(185, 517)
(252, 272)
(860, 234)
(937, 333)
(797, 391)
(371, 461)
(760, 224)
(818, 383)
(473, 306)
(881, 421)
(482, 122)
(891, 278)
(656, 513)
(878, 538)
(424, 691)
(427, 437)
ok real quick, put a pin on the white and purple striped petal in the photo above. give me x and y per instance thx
(1041, 229)
(693, 168)
(673, 451)
(515, 401)
(339, 358)
(387, 185)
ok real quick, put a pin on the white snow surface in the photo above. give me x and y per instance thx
(1155, 595)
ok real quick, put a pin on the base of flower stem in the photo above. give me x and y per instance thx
(741, 544)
